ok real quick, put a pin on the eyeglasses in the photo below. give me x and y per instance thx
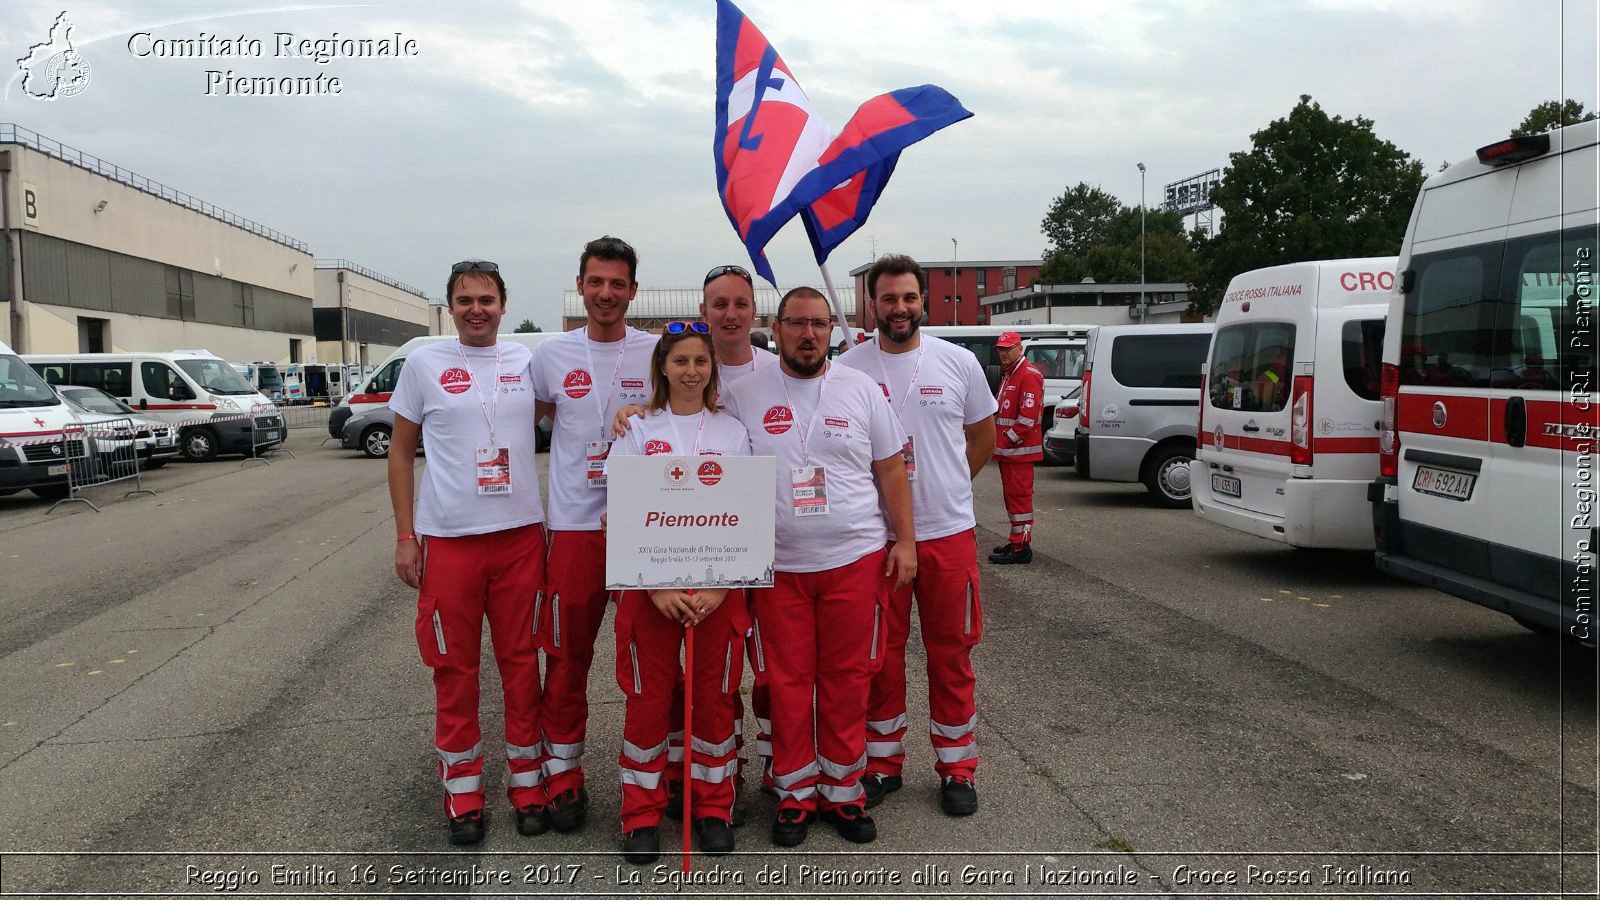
(474, 265)
(720, 271)
(681, 327)
(799, 324)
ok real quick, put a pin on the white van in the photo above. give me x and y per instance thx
(1060, 361)
(199, 392)
(379, 387)
(1288, 427)
(33, 450)
(1490, 411)
(1137, 409)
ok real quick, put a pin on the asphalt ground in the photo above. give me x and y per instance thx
(202, 685)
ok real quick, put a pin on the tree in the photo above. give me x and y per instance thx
(1311, 187)
(1094, 236)
(527, 327)
(1550, 115)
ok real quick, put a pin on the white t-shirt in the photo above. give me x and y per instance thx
(659, 431)
(950, 393)
(852, 428)
(588, 381)
(441, 393)
(727, 375)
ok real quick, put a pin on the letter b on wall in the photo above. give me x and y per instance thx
(30, 204)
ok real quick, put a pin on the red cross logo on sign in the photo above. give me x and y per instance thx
(675, 473)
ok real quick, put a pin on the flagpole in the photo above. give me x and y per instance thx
(838, 310)
(688, 741)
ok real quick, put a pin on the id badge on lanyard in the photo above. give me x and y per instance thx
(594, 461)
(908, 453)
(810, 487)
(494, 471)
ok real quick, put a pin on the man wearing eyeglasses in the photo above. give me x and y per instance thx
(478, 518)
(942, 398)
(584, 376)
(818, 632)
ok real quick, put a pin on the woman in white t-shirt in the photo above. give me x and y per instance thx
(683, 419)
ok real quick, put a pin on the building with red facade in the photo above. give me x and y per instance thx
(956, 289)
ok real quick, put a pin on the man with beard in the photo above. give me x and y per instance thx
(584, 376)
(941, 396)
(818, 632)
(1019, 444)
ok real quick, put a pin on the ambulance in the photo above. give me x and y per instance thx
(1289, 408)
(1486, 486)
(33, 449)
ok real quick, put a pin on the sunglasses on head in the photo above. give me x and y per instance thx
(474, 265)
(681, 327)
(720, 271)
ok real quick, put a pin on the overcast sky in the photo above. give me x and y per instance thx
(521, 130)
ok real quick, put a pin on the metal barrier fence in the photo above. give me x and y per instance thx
(305, 416)
(101, 453)
(268, 434)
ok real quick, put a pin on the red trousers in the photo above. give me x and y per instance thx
(575, 605)
(819, 637)
(1016, 482)
(647, 672)
(464, 579)
(758, 702)
(950, 610)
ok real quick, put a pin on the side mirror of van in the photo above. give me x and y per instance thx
(179, 392)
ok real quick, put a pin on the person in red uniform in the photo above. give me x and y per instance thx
(682, 419)
(942, 398)
(1018, 444)
(474, 545)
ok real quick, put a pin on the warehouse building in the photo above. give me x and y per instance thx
(1088, 303)
(101, 259)
(361, 316)
(957, 289)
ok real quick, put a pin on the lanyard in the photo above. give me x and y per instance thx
(1006, 379)
(801, 432)
(672, 420)
(602, 398)
(491, 408)
(915, 371)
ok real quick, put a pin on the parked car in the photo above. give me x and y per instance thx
(1060, 444)
(1140, 406)
(155, 441)
(1060, 361)
(369, 432)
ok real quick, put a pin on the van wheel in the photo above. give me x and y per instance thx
(200, 445)
(1166, 475)
(375, 442)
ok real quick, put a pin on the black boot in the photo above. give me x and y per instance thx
(1014, 556)
(715, 836)
(641, 846)
(467, 828)
(879, 786)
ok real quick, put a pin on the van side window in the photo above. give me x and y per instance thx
(115, 379)
(1545, 327)
(159, 379)
(53, 373)
(1361, 349)
(1252, 367)
(1159, 360)
(1447, 337)
(384, 382)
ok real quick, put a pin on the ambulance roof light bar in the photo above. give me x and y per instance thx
(1512, 150)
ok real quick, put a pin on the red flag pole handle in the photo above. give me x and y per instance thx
(688, 741)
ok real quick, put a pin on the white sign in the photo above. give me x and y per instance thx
(689, 521)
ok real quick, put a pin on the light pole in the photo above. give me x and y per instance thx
(1141, 244)
(955, 281)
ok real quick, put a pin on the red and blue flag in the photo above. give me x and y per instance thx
(776, 158)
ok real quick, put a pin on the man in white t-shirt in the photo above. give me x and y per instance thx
(942, 398)
(582, 377)
(477, 526)
(818, 632)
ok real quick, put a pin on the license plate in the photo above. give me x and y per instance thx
(1226, 485)
(1444, 483)
(56, 470)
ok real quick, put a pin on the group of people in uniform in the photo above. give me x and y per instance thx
(876, 452)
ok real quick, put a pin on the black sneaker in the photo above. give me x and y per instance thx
(533, 820)
(1003, 548)
(958, 796)
(715, 836)
(852, 823)
(879, 786)
(790, 826)
(641, 846)
(1014, 556)
(467, 828)
(674, 812)
(741, 808)
(569, 809)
